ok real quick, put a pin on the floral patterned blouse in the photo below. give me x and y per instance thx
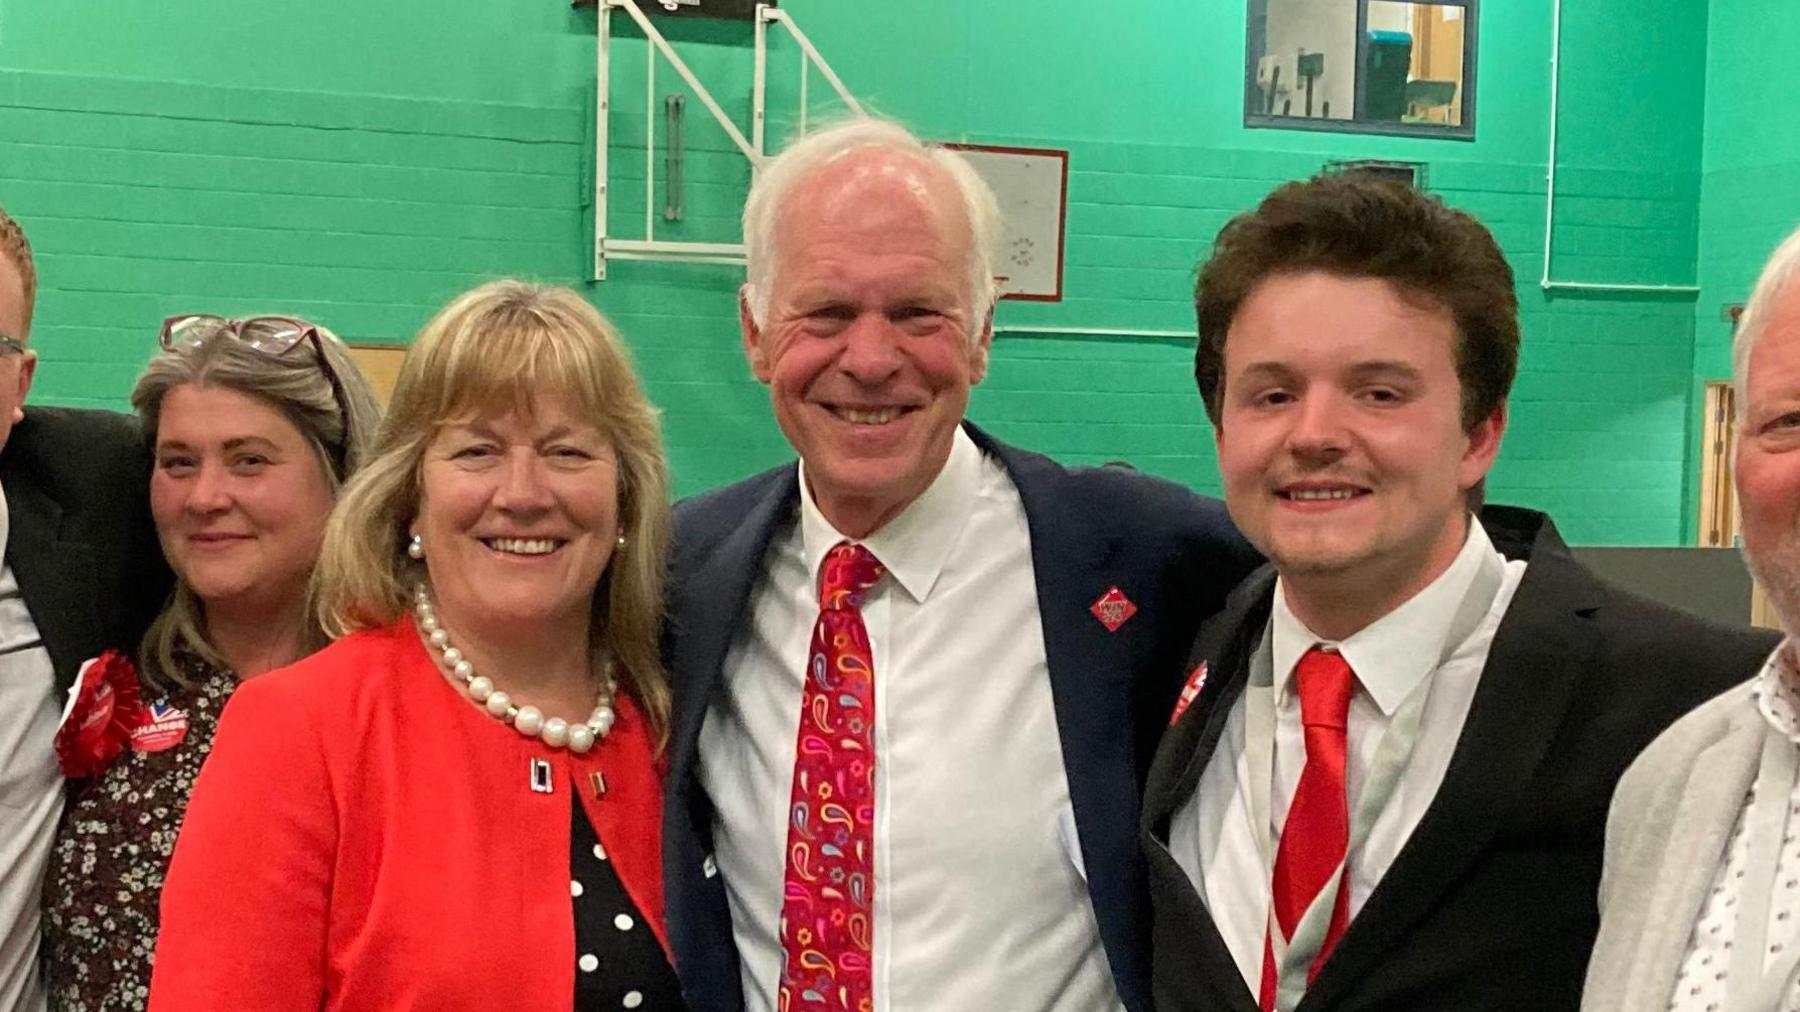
(112, 852)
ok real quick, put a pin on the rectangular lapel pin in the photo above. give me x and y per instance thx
(598, 780)
(541, 781)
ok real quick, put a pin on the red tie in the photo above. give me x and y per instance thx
(1317, 832)
(828, 895)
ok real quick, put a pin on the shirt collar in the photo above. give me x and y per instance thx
(914, 544)
(1778, 691)
(1393, 654)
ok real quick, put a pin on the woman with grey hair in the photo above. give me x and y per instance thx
(254, 425)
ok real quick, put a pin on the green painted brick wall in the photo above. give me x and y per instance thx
(412, 149)
(1750, 184)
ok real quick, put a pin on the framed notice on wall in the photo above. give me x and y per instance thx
(1032, 185)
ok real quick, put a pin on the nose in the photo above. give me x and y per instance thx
(210, 492)
(522, 488)
(1319, 433)
(871, 352)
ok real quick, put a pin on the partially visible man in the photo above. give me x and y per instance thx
(1390, 789)
(82, 572)
(1700, 903)
(919, 675)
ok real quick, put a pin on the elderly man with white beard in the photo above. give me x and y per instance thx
(1700, 902)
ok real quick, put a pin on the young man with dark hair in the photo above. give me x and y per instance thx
(82, 572)
(1389, 786)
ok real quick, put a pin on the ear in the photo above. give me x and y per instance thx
(753, 345)
(984, 342)
(27, 369)
(1484, 446)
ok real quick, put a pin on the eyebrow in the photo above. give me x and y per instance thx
(234, 443)
(1360, 370)
(1363, 370)
(564, 431)
(824, 294)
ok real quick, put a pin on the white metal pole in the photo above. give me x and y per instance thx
(1545, 282)
(760, 90)
(650, 144)
(671, 258)
(602, 102)
(1550, 169)
(1187, 335)
(805, 66)
(678, 246)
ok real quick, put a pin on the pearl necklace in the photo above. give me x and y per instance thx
(527, 720)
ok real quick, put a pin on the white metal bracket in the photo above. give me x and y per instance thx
(649, 247)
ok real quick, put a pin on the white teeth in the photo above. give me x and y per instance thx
(878, 417)
(523, 546)
(1309, 495)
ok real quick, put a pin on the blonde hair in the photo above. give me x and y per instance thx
(504, 346)
(294, 383)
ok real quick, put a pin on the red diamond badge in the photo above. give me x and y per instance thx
(1113, 609)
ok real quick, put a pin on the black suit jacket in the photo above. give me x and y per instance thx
(82, 544)
(1173, 553)
(1491, 903)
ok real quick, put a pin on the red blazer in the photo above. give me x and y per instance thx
(363, 837)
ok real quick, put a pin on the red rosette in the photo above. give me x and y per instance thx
(108, 705)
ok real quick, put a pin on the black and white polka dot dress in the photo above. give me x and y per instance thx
(618, 962)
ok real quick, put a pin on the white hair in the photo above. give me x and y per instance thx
(1777, 274)
(778, 177)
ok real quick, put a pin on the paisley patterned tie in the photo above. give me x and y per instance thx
(828, 896)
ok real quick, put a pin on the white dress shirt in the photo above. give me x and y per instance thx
(980, 900)
(1704, 983)
(31, 789)
(1212, 836)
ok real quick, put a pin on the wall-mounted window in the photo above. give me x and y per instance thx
(1362, 66)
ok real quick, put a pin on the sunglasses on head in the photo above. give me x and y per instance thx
(271, 335)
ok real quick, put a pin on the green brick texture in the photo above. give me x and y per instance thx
(368, 187)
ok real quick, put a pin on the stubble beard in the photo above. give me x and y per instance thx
(1778, 572)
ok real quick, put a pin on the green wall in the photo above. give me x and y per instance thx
(361, 163)
(1750, 186)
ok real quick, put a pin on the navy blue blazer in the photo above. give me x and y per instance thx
(1176, 556)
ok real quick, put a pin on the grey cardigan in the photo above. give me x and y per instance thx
(1666, 832)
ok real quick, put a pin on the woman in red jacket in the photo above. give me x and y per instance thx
(456, 805)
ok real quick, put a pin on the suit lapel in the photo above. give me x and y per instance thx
(712, 608)
(56, 577)
(1539, 652)
(1708, 802)
(1225, 645)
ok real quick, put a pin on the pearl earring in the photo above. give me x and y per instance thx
(416, 548)
(621, 541)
